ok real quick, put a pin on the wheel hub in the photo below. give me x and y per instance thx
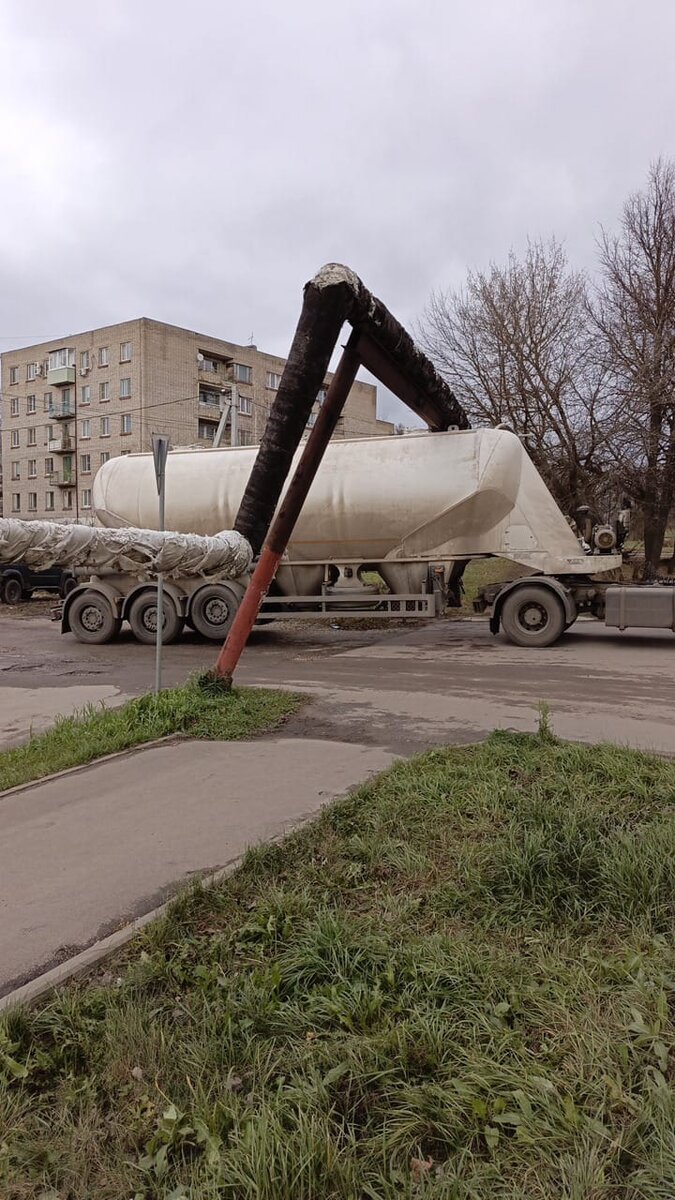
(533, 617)
(150, 619)
(216, 611)
(91, 618)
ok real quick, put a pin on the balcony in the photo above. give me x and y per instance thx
(61, 412)
(61, 376)
(61, 445)
(63, 479)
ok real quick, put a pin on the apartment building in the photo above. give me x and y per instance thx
(70, 404)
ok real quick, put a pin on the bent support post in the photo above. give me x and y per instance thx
(289, 512)
(380, 342)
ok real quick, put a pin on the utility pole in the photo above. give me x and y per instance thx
(160, 450)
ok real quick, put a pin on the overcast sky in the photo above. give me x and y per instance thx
(198, 162)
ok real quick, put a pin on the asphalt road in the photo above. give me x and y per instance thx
(404, 689)
(84, 853)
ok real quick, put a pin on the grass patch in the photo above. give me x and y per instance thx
(457, 984)
(483, 571)
(190, 711)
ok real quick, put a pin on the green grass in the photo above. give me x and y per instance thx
(189, 711)
(483, 571)
(457, 984)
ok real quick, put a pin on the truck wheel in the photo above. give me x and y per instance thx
(143, 619)
(67, 586)
(13, 591)
(533, 616)
(212, 610)
(92, 619)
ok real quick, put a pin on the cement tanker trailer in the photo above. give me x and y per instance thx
(413, 508)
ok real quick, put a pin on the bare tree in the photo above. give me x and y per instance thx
(635, 316)
(516, 345)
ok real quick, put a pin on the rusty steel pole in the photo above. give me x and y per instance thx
(284, 522)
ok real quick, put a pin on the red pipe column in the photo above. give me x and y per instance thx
(284, 523)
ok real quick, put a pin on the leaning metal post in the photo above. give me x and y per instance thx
(284, 522)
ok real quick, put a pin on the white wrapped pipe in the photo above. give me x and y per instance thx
(141, 552)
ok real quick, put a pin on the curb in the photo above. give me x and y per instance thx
(90, 957)
(94, 762)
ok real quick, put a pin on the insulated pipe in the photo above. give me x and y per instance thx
(332, 297)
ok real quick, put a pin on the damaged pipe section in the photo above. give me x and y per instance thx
(383, 346)
(144, 553)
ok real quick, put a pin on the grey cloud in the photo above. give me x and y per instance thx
(197, 163)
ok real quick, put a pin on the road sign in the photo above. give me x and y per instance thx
(160, 451)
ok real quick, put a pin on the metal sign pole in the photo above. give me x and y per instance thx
(160, 450)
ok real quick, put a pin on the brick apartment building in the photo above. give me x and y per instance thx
(70, 404)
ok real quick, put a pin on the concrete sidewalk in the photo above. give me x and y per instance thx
(86, 852)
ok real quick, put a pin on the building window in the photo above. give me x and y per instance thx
(273, 380)
(32, 468)
(49, 466)
(208, 366)
(85, 464)
(310, 420)
(31, 371)
(321, 396)
(32, 501)
(125, 389)
(125, 423)
(16, 470)
(104, 391)
(85, 394)
(49, 433)
(207, 430)
(86, 498)
(245, 438)
(13, 374)
(125, 351)
(49, 501)
(32, 437)
(67, 502)
(61, 358)
(245, 406)
(208, 396)
(85, 361)
(242, 373)
(31, 405)
(47, 403)
(85, 428)
(105, 455)
(103, 356)
(14, 406)
(14, 439)
(105, 426)
(16, 502)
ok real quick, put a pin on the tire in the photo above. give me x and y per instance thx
(67, 586)
(143, 619)
(212, 611)
(533, 616)
(92, 620)
(12, 592)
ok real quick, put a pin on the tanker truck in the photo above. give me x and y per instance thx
(413, 508)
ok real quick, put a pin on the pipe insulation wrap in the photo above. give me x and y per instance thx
(144, 553)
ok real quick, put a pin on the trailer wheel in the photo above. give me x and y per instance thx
(212, 610)
(92, 619)
(143, 619)
(533, 616)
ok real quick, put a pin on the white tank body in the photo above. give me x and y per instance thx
(384, 501)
